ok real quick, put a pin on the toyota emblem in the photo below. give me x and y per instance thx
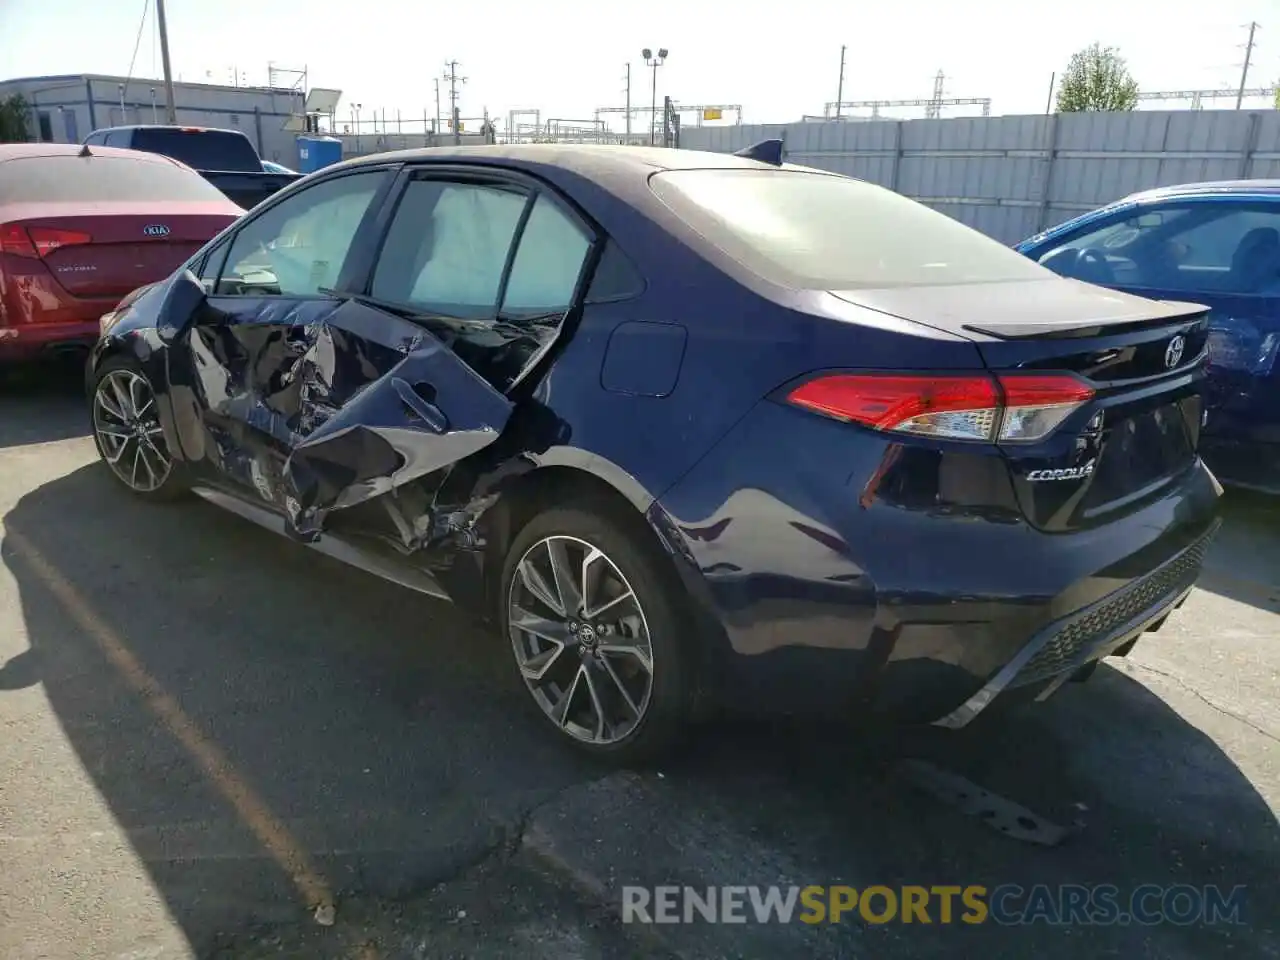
(1173, 352)
(155, 230)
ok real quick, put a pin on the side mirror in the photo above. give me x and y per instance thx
(181, 307)
(1149, 221)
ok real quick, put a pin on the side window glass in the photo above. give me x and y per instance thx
(212, 265)
(447, 247)
(1113, 253)
(544, 274)
(1237, 252)
(298, 246)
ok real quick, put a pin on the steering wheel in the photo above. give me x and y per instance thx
(1092, 266)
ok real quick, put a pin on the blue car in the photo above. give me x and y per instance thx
(691, 431)
(1213, 243)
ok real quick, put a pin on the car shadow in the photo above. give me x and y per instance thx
(385, 736)
(1244, 561)
(377, 727)
(42, 402)
(1146, 797)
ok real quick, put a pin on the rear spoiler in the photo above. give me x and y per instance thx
(1165, 312)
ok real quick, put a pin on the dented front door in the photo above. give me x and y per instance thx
(318, 405)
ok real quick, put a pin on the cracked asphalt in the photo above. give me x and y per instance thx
(210, 737)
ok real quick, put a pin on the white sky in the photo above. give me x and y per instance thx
(566, 57)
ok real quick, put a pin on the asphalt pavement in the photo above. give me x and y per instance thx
(216, 743)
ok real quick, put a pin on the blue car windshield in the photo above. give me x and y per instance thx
(814, 230)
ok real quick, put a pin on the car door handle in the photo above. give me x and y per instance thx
(432, 415)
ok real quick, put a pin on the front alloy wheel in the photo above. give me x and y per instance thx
(126, 425)
(581, 640)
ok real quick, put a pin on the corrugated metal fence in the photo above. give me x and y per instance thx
(1013, 176)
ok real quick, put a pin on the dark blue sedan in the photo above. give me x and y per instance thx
(690, 430)
(1217, 244)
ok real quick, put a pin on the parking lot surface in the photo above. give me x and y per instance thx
(215, 743)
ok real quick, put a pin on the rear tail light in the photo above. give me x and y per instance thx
(1011, 408)
(38, 241)
(14, 240)
(49, 239)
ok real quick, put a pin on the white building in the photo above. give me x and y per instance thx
(65, 109)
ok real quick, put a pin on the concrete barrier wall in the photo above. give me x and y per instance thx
(1013, 176)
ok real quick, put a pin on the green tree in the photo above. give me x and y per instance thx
(1097, 78)
(15, 116)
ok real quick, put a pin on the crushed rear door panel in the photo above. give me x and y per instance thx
(425, 412)
(321, 406)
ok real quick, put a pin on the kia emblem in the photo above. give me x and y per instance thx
(155, 230)
(1173, 352)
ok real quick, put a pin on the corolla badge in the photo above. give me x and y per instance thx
(155, 230)
(1173, 352)
(1065, 473)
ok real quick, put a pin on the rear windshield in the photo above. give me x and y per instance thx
(201, 149)
(817, 231)
(94, 179)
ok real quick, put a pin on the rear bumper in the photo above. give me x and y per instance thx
(1248, 464)
(29, 342)
(1097, 631)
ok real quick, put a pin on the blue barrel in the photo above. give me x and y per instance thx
(316, 152)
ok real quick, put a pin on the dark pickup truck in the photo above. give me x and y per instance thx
(226, 158)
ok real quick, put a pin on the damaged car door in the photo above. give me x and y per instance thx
(321, 397)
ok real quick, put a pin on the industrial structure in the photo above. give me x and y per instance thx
(835, 110)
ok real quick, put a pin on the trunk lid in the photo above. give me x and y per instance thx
(107, 254)
(1144, 359)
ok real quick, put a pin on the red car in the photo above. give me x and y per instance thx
(80, 227)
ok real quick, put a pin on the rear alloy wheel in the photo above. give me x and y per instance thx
(592, 627)
(126, 429)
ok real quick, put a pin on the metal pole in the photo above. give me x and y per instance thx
(653, 108)
(1048, 104)
(171, 110)
(1248, 55)
(436, 127)
(840, 85)
(628, 104)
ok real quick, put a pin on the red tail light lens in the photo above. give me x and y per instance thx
(14, 240)
(49, 239)
(1014, 408)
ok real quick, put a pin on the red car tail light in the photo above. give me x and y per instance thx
(38, 241)
(1014, 408)
(14, 240)
(49, 239)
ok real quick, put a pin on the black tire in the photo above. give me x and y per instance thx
(661, 597)
(175, 484)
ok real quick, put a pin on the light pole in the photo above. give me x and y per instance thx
(655, 62)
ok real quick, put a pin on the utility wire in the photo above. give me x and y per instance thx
(146, 4)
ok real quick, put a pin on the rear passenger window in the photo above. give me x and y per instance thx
(548, 262)
(447, 247)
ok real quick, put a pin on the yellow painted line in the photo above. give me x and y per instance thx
(274, 836)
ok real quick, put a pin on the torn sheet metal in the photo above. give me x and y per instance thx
(1003, 816)
(426, 412)
(321, 406)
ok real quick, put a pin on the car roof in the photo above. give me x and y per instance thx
(32, 151)
(184, 127)
(1223, 188)
(590, 160)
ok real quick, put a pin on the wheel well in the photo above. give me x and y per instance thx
(530, 493)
